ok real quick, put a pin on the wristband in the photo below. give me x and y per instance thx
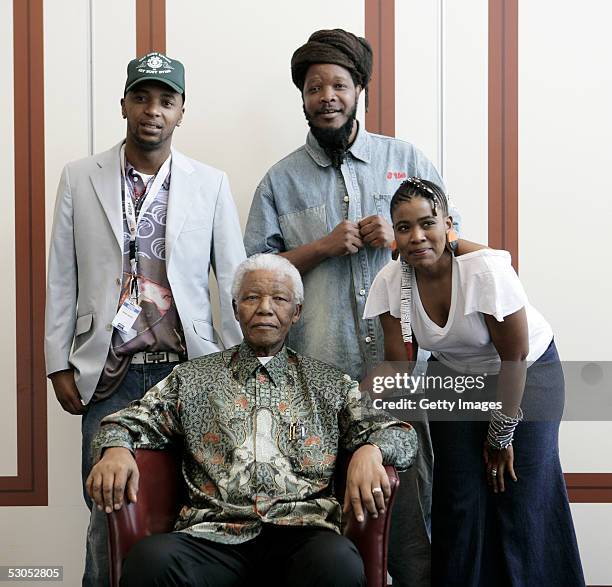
(501, 429)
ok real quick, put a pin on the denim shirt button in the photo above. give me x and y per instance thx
(368, 339)
(346, 198)
(362, 292)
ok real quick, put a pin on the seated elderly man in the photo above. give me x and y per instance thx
(260, 428)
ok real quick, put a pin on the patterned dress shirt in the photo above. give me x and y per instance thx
(259, 442)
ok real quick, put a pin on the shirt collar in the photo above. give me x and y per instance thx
(360, 149)
(244, 362)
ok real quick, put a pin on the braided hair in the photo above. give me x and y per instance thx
(415, 187)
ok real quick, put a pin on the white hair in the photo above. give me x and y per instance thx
(269, 262)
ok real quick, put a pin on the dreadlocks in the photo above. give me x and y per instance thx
(415, 187)
(334, 46)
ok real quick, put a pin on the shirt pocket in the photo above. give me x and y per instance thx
(303, 227)
(382, 203)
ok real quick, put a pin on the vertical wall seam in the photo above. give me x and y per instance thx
(381, 81)
(504, 127)
(90, 78)
(441, 87)
(30, 200)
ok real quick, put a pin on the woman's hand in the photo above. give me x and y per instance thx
(498, 463)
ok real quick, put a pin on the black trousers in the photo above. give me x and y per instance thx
(280, 556)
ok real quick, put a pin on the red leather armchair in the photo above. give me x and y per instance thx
(160, 498)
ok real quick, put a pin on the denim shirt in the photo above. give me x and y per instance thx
(302, 199)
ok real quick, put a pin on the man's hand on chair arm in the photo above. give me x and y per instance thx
(114, 475)
(367, 483)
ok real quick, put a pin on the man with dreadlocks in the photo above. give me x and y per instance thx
(325, 207)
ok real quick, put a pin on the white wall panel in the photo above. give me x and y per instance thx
(417, 75)
(593, 522)
(45, 536)
(8, 398)
(585, 447)
(465, 111)
(66, 139)
(565, 92)
(243, 112)
(114, 45)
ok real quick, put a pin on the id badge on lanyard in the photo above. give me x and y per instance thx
(130, 309)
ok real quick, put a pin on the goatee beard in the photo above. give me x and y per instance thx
(144, 145)
(334, 141)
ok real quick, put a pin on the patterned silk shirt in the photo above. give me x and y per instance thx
(259, 442)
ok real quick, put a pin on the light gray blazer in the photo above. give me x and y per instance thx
(85, 261)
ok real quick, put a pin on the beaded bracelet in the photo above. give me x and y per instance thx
(501, 429)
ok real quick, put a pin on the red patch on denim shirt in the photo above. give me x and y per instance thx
(396, 175)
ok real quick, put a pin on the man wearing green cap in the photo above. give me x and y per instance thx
(325, 207)
(135, 231)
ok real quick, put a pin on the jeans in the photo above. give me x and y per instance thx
(138, 380)
(524, 536)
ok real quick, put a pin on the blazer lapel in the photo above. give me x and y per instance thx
(179, 200)
(106, 181)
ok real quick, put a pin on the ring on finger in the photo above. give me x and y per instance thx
(493, 472)
(376, 490)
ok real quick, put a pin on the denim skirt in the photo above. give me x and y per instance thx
(525, 536)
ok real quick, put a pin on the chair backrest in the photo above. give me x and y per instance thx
(161, 494)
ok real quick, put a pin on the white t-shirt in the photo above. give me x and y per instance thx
(483, 282)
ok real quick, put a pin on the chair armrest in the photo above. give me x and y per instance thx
(371, 537)
(159, 499)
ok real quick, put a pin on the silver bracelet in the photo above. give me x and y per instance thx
(501, 429)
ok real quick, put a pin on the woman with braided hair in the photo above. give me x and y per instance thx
(500, 514)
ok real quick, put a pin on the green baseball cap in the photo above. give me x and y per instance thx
(157, 67)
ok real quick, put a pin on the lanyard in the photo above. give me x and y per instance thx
(130, 211)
